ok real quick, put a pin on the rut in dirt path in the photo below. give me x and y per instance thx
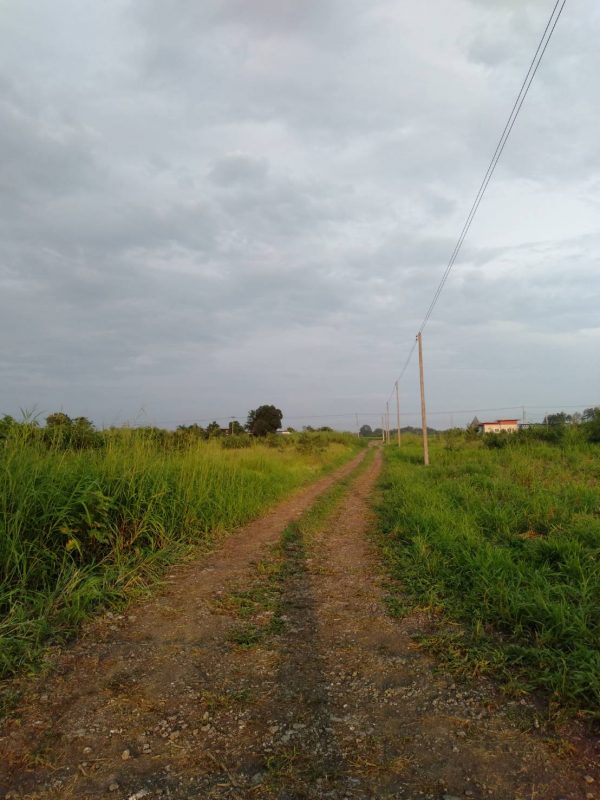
(270, 670)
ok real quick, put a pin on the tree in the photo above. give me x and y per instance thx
(561, 418)
(592, 424)
(190, 432)
(263, 420)
(366, 430)
(235, 427)
(590, 413)
(214, 429)
(57, 418)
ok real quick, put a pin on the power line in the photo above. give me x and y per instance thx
(404, 368)
(518, 104)
(408, 412)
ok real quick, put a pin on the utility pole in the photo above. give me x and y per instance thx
(423, 407)
(382, 429)
(357, 428)
(387, 420)
(398, 413)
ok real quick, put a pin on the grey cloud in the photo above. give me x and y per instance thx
(238, 169)
(260, 198)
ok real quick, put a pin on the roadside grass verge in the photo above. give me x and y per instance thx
(82, 530)
(507, 544)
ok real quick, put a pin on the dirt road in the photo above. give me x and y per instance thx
(270, 669)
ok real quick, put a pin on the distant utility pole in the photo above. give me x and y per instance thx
(398, 413)
(387, 420)
(357, 428)
(423, 407)
(383, 428)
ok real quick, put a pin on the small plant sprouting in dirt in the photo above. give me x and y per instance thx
(247, 635)
(229, 698)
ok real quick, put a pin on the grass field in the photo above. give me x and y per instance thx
(505, 542)
(83, 529)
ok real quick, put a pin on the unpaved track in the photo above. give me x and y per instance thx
(337, 704)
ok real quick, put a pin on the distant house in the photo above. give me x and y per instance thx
(499, 426)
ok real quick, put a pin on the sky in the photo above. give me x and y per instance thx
(209, 206)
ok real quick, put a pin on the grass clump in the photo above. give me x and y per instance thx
(507, 542)
(83, 527)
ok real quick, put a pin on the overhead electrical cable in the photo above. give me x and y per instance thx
(526, 85)
(518, 104)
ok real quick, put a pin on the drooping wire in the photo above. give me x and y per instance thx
(518, 104)
(524, 90)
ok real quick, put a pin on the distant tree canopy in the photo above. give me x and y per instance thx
(236, 427)
(214, 429)
(78, 432)
(561, 418)
(57, 418)
(591, 417)
(263, 420)
(193, 431)
(366, 430)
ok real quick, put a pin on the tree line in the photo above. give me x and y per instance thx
(80, 432)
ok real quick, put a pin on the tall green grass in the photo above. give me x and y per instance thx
(508, 543)
(82, 529)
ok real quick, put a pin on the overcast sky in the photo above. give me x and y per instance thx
(206, 206)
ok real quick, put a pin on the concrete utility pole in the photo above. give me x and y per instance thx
(387, 420)
(398, 413)
(423, 407)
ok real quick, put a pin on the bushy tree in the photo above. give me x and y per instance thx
(57, 418)
(263, 420)
(62, 431)
(193, 431)
(214, 429)
(561, 418)
(366, 430)
(7, 424)
(592, 424)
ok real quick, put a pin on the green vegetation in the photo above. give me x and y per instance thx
(264, 420)
(506, 542)
(87, 517)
